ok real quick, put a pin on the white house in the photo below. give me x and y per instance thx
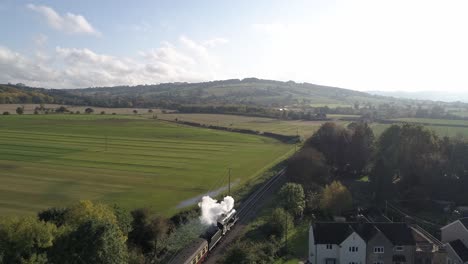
(336, 243)
(361, 243)
(455, 239)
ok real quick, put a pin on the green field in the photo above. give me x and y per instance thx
(286, 127)
(54, 160)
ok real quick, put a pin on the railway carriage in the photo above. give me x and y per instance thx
(197, 251)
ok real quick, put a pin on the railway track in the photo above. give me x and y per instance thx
(253, 198)
(246, 212)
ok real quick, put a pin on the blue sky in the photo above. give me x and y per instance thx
(362, 44)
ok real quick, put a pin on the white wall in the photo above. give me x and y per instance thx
(323, 253)
(311, 245)
(354, 240)
(455, 231)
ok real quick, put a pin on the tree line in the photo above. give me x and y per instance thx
(88, 232)
(407, 161)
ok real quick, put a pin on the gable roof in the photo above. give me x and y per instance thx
(460, 249)
(336, 233)
(331, 233)
(398, 233)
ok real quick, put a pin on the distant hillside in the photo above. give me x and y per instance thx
(250, 91)
(19, 94)
(426, 95)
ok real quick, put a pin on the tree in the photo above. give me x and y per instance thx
(360, 148)
(124, 219)
(332, 140)
(53, 215)
(336, 198)
(148, 233)
(89, 110)
(308, 167)
(410, 156)
(86, 210)
(292, 198)
(94, 241)
(240, 253)
(25, 240)
(20, 110)
(278, 222)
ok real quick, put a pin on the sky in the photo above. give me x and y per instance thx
(404, 45)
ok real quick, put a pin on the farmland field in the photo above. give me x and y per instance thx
(53, 160)
(286, 127)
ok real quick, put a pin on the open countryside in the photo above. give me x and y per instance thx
(53, 160)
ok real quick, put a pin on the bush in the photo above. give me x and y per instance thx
(89, 110)
(20, 110)
(6, 113)
(103, 112)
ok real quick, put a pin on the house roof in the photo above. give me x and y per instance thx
(331, 233)
(460, 249)
(397, 233)
(336, 233)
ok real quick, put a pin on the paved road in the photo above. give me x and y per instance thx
(247, 214)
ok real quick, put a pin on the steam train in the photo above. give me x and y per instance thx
(197, 251)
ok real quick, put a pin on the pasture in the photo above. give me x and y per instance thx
(286, 127)
(54, 160)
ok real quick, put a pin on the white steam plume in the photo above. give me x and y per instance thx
(211, 209)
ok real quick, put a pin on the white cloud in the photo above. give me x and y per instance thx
(215, 42)
(69, 23)
(370, 45)
(187, 60)
(40, 40)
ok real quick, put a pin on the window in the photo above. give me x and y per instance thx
(353, 249)
(379, 250)
(329, 246)
(330, 261)
(399, 248)
(378, 262)
(353, 263)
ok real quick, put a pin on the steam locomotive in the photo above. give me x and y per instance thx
(197, 251)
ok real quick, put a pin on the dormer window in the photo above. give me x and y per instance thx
(329, 246)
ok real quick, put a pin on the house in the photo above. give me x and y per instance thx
(455, 239)
(429, 250)
(361, 243)
(336, 243)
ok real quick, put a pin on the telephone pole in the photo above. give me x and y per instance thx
(229, 173)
